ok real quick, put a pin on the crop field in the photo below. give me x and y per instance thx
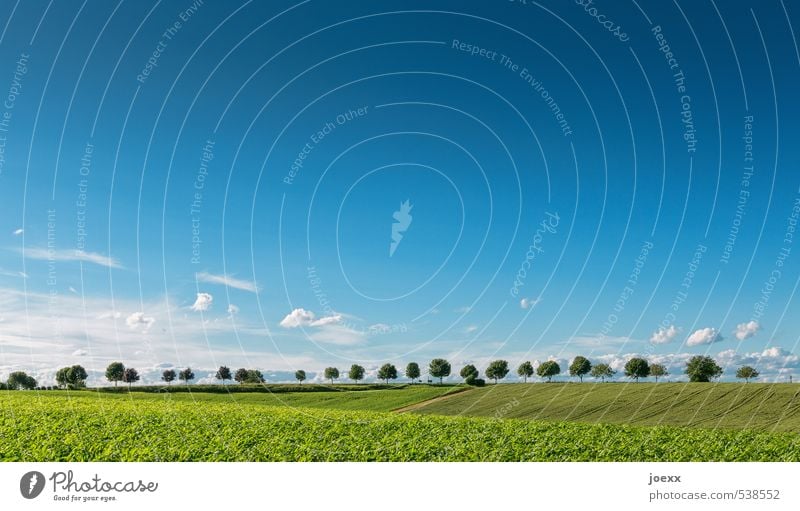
(386, 399)
(86, 427)
(759, 406)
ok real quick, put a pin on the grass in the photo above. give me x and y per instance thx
(386, 399)
(146, 427)
(759, 406)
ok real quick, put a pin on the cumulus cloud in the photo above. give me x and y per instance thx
(304, 318)
(228, 280)
(664, 334)
(746, 330)
(704, 336)
(527, 303)
(203, 302)
(138, 320)
(326, 329)
(44, 254)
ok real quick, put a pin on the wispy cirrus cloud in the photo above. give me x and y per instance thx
(229, 281)
(44, 254)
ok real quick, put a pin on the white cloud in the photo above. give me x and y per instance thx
(9, 273)
(303, 318)
(664, 335)
(527, 303)
(228, 280)
(18, 232)
(297, 318)
(138, 319)
(232, 310)
(704, 336)
(203, 302)
(44, 254)
(471, 328)
(746, 330)
(327, 329)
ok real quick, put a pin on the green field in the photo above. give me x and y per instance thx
(87, 427)
(730, 422)
(760, 406)
(386, 399)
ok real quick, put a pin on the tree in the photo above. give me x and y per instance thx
(637, 368)
(579, 367)
(254, 376)
(186, 375)
(602, 371)
(469, 371)
(331, 373)
(300, 375)
(548, 369)
(439, 368)
(497, 370)
(130, 376)
(76, 376)
(19, 380)
(412, 371)
(657, 370)
(356, 373)
(168, 375)
(61, 377)
(525, 370)
(701, 368)
(387, 372)
(223, 373)
(746, 373)
(240, 376)
(114, 372)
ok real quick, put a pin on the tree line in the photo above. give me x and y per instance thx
(699, 368)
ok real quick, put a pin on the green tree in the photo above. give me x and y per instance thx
(76, 376)
(701, 368)
(387, 372)
(746, 373)
(61, 377)
(115, 372)
(579, 367)
(254, 376)
(602, 371)
(331, 373)
(186, 375)
(439, 368)
(356, 373)
(548, 369)
(525, 370)
(223, 373)
(300, 375)
(469, 371)
(657, 370)
(240, 376)
(20, 380)
(637, 368)
(169, 376)
(130, 376)
(412, 371)
(497, 370)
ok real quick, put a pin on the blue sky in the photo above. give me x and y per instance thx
(198, 183)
